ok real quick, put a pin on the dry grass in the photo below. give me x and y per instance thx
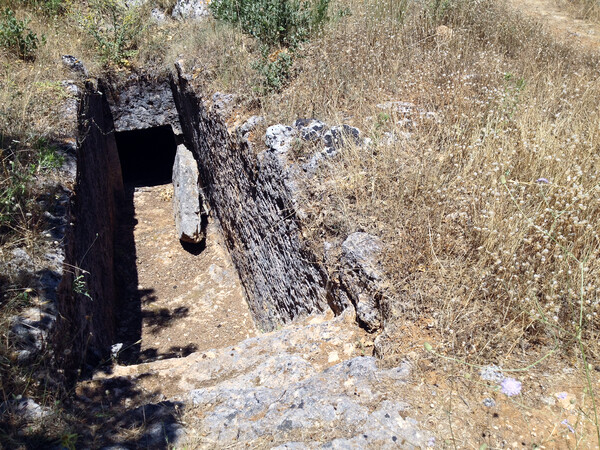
(583, 9)
(507, 101)
(494, 265)
(220, 55)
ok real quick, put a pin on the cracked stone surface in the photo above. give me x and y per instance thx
(308, 385)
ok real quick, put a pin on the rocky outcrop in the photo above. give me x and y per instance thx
(361, 277)
(191, 9)
(304, 386)
(141, 101)
(190, 221)
(74, 64)
(87, 298)
(251, 192)
(38, 274)
(328, 140)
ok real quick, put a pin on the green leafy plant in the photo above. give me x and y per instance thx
(437, 10)
(18, 169)
(283, 23)
(16, 37)
(80, 286)
(116, 28)
(280, 26)
(49, 7)
(47, 157)
(13, 192)
(68, 441)
(275, 69)
(382, 120)
(513, 89)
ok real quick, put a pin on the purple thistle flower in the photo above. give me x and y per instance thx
(511, 387)
(568, 425)
(542, 181)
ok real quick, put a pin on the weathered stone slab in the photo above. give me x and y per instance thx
(361, 277)
(251, 195)
(187, 203)
(88, 291)
(141, 102)
(303, 386)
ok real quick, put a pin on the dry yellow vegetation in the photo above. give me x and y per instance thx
(485, 190)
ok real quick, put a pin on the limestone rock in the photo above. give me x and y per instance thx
(361, 277)
(282, 386)
(141, 102)
(25, 408)
(74, 64)
(332, 139)
(407, 110)
(342, 394)
(279, 138)
(20, 265)
(191, 9)
(250, 125)
(186, 197)
(398, 107)
(223, 103)
(311, 129)
(30, 329)
(158, 15)
(338, 136)
(70, 104)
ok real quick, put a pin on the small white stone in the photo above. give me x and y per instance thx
(349, 348)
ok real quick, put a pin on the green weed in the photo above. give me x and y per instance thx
(284, 23)
(275, 69)
(279, 26)
(115, 29)
(19, 168)
(16, 37)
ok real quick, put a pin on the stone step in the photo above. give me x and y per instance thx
(311, 345)
(309, 385)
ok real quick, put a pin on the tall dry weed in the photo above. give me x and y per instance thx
(487, 262)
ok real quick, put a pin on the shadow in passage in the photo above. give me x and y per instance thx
(194, 249)
(147, 156)
(162, 318)
(152, 354)
(129, 317)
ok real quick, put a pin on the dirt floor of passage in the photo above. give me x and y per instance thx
(191, 300)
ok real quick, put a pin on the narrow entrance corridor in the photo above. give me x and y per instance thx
(189, 302)
(176, 298)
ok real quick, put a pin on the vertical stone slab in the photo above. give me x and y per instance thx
(187, 203)
(88, 291)
(362, 277)
(251, 196)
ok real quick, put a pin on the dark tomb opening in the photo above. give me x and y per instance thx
(147, 156)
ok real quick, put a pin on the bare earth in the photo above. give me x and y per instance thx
(560, 21)
(189, 302)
